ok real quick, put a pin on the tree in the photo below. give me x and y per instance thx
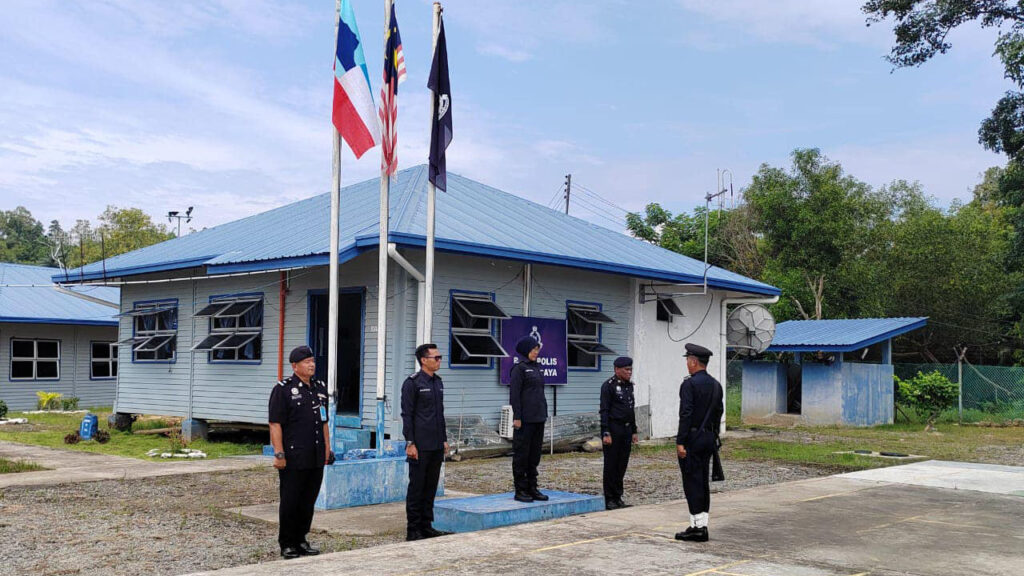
(21, 237)
(816, 223)
(121, 230)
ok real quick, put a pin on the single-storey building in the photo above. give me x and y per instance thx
(56, 339)
(207, 319)
(833, 372)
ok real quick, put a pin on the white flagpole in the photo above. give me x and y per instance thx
(382, 274)
(428, 285)
(332, 307)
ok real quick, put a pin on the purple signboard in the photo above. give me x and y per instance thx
(550, 332)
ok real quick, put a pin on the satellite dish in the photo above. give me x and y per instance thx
(750, 329)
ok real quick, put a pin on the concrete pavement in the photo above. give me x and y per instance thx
(66, 466)
(892, 522)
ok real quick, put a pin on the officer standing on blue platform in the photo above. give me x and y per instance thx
(426, 441)
(529, 412)
(700, 414)
(618, 429)
(300, 436)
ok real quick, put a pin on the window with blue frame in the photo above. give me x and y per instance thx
(103, 360)
(472, 330)
(155, 336)
(583, 334)
(35, 359)
(236, 329)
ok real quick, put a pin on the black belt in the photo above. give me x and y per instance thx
(620, 421)
(705, 430)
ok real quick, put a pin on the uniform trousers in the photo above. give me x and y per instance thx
(696, 469)
(616, 458)
(299, 489)
(527, 444)
(424, 474)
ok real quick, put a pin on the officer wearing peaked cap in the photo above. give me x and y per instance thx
(300, 437)
(700, 412)
(618, 429)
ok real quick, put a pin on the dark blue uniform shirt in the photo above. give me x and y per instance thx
(617, 404)
(526, 393)
(697, 394)
(423, 411)
(301, 410)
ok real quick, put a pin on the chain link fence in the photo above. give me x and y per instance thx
(994, 393)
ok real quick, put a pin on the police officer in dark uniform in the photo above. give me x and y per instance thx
(618, 429)
(700, 413)
(426, 441)
(300, 437)
(529, 412)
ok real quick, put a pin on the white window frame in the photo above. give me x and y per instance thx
(219, 337)
(35, 359)
(487, 332)
(574, 339)
(113, 348)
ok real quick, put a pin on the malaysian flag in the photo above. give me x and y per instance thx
(394, 74)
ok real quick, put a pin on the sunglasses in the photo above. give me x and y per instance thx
(438, 357)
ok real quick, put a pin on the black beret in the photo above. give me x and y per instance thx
(699, 351)
(300, 354)
(623, 361)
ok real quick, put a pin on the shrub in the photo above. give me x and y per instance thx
(72, 438)
(929, 393)
(3, 409)
(48, 400)
(68, 404)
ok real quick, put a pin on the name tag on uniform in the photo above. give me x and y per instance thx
(323, 414)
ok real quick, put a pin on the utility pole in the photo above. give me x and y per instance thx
(568, 189)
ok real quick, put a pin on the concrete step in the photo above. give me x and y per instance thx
(496, 510)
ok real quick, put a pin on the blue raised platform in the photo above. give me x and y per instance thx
(496, 510)
(362, 479)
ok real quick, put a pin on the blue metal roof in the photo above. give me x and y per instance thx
(839, 335)
(27, 295)
(472, 218)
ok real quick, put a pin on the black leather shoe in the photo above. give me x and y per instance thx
(414, 535)
(523, 497)
(290, 553)
(693, 535)
(538, 495)
(621, 503)
(611, 504)
(307, 550)
(430, 532)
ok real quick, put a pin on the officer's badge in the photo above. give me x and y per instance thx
(295, 390)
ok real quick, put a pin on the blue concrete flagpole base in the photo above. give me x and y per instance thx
(380, 426)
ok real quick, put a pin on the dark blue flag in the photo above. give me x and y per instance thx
(441, 127)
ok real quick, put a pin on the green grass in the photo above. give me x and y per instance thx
(817, 446)
(12, 466)
(49, 430)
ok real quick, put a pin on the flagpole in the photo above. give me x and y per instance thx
(382, 273)
(332, 299)
(428, 285)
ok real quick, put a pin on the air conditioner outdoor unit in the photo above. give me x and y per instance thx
(505, 423)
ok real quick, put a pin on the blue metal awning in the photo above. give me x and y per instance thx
(839, 335)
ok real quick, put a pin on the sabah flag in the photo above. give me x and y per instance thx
(354, 114)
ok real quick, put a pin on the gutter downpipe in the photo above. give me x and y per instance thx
(280, 326)
(421, 337)
(723, 376)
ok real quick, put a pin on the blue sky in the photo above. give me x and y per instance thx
(225, 104)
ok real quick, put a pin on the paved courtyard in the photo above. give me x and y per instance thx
(928, 519)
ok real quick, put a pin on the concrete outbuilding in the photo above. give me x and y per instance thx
(835, 372)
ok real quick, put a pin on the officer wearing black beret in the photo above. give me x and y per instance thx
(529, 412)
(426, 441)
(618, 429)
(700, 413)
(300, 437)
